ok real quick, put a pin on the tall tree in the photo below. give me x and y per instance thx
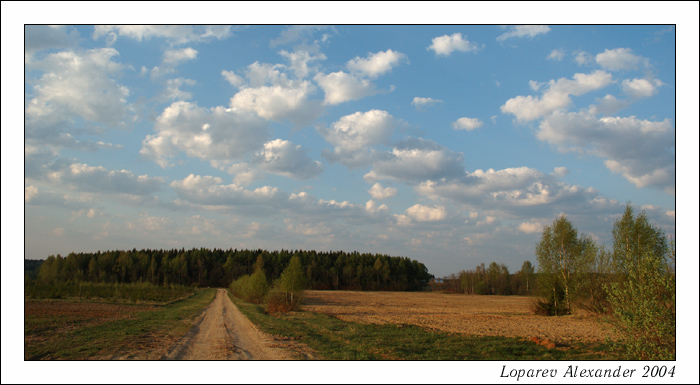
(644, 300)
(562, 259)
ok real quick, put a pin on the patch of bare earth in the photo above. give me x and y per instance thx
(223, 333)
(480, 315)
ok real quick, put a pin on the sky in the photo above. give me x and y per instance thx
(449, 144)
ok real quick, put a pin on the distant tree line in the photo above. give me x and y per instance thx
(492, 280)
(337, 270)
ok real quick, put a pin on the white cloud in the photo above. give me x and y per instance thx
(176, 34)
(641, 150)
(299, 61)
(521, 190)
(422, 213)
(78, 84)
(445, 45)
(530, 228)
(282, 157)
(210, 191)
(583, 58)
(371, 207)
(618, 59)
(173, 57)
(341, 87)
(556, 54)
(517, 31)
(278, 102)
(173, 92)
(416, 160)
(232, 78)
(376, 64)
(353, 135)
(99, 179)
(640, 88)
(608, 105)
(419, 102)
(379, 192)
(556, 97)
(467, 124)
(219, 134)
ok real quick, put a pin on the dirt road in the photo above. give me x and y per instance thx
(223, 333)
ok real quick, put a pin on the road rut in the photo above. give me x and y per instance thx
(224, 333)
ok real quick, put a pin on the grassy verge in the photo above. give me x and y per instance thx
(334, 339)
(101, 331)
(137, 292)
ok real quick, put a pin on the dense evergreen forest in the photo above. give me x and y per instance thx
(337, 270)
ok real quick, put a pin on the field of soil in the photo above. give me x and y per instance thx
(480, 315)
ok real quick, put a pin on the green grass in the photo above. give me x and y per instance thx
(136, 292)
(334, 339)
(76, 338)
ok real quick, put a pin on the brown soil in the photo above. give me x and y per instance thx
(507, 316)
(224, 333)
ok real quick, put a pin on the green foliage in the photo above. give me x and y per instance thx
(563, 261)
(128, 292)
(644, 300)
(205, 267)
(251, 288)
(287, 293)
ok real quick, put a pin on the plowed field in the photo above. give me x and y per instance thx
(507, 316)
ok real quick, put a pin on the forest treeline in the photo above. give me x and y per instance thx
(494, 279)
(203, 267)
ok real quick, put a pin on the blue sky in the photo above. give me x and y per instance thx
(453, 145)
(115, 154)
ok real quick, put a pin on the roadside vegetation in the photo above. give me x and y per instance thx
(119, 292)
(80, 330)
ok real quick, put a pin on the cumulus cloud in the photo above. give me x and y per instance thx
(99, 179)
(517, 191)
(530, 228)
(210, 191)
(416, 160)
(278, 102)
(232, 78)
(518, 31)
(607, 105)
(419, 102)
(640, 88)
(175, 34)
(173, 57)
(642, 151)
(282, 157)
(379, 192)
(376, 64)
(341, 87)
(354, 134)
(556, 96)
(619, 59)
(173, 92)
(79, 84)
(299, 61)
(422, 213)
(583, 58)
(220, 134)
(446, 44)
(556, 54)
(467, 124)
